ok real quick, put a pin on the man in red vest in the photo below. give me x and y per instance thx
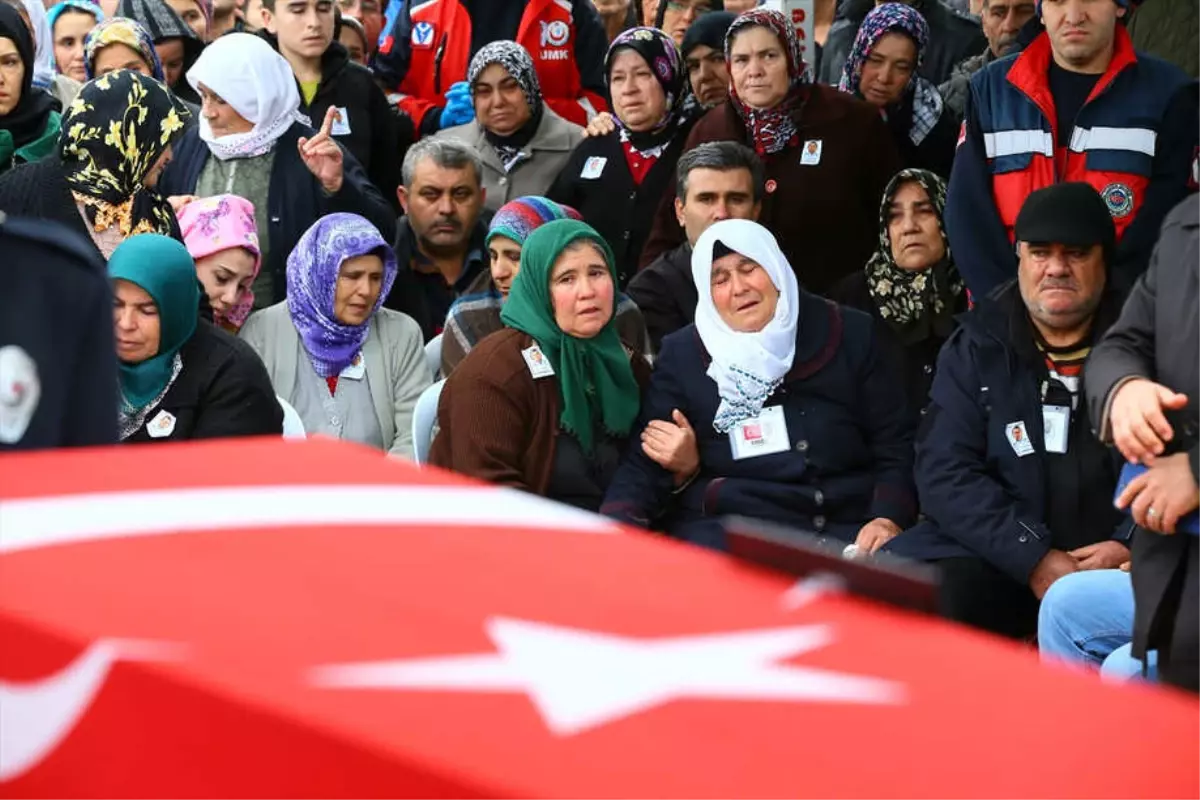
(426, 47)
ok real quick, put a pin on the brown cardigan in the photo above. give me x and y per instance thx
(496, 422)
(825, 215)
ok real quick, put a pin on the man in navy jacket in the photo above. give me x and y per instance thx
(1078, 104)
(1016, 489)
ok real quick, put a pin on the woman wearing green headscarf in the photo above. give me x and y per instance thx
(181, 377)
(548, 403)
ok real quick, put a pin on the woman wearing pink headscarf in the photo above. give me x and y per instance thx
(221, 236)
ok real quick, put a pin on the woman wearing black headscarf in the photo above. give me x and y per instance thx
(617, 180)
(116, 139)
(522, 142)
(29, 125)
(910, 285)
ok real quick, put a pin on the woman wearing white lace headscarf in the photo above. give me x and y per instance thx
(775, 403)
(253, 142)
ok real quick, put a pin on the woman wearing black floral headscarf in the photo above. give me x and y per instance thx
(827, 156)
(617, 180)
(910, 284)
(116, 139)
(523, 143)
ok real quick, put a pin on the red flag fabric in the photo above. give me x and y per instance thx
(303, 619)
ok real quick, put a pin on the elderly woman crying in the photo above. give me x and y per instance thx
(783, 397)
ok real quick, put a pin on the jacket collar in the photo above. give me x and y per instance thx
(406, 243)
(1030, 69)
(1003, 318)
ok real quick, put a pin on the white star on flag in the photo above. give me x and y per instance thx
(580, 679)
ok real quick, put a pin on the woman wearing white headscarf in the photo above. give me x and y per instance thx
(253, 142)
(777, 405)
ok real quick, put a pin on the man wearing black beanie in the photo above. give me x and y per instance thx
(1015, 487)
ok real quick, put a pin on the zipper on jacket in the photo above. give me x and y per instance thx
(437, 64)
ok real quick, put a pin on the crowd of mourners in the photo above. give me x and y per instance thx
(917, 278)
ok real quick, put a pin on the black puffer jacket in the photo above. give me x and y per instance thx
(952, 37)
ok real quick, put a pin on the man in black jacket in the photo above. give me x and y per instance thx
(1143, 387)
(440, 240)
(1016, 489)
(58, 365)
(302, 31)
(717, 180)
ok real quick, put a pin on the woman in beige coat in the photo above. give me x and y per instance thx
(523, 143)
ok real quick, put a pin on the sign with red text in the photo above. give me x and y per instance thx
(800, 13)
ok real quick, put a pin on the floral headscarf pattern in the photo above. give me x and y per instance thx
(771, 129)
(662, 55)
(114, 133)
(516, 62)
(896, 18)
(120, 30)
(914, 302)
(312, 276)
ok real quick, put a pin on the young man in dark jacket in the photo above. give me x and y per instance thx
(302, 31)
(1016, 489)
(1077, 104)
(716, 181)
(1143, 390)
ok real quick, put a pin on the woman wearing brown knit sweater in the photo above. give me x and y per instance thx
(547, 404)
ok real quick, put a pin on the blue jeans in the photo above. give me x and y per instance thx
(1086, 618)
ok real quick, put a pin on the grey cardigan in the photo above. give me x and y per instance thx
(394, 352)
(550, 148)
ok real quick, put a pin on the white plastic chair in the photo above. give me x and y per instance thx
(293, 426)
(433, 354)
(424, 420)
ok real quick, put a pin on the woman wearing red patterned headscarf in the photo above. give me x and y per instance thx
(828, 156)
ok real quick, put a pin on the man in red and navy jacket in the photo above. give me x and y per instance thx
(426, 47)
(1078, 104)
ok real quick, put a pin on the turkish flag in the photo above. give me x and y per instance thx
(303, 619)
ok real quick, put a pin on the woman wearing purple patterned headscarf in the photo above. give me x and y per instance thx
(351, 369)
(882, 69)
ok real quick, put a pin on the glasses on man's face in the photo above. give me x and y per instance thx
(683, 6)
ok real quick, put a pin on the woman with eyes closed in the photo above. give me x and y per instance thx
(104, 181)
(180, 376)
(251, 141)
(882, 69)
(351, 369)
(547, 404)
(774, 404)
(221, 236)
(910, 285)
(827, 156)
